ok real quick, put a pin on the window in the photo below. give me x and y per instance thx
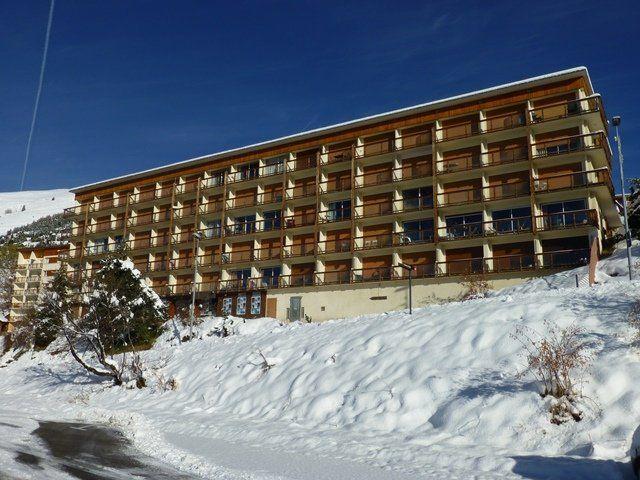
(256, 303)
(340, 210)
(245, 224)
(243, 277)
(270, 276)
(564, 214)
(418, 198)
(274, 166)
(241, 304)
(417, 231)
(469, 225)
(100, 245)
(212, 229)
(272, 220)
(216, 179)
(512, 220)
(248, 171)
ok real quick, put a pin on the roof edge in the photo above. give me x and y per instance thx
(582, 70)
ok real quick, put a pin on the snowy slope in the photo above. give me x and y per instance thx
(429, 396)
(37, 204)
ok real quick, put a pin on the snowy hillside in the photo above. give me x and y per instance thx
(434, 395)
(36, 204)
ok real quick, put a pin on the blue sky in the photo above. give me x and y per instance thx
(138, 84)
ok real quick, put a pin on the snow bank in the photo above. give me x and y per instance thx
(37, 204)
(436, 394)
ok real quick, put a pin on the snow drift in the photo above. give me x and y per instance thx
(36, 204)
(436, 394)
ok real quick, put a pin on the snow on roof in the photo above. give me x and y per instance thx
(583, 71)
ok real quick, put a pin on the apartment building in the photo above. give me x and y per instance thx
(34, 270)
(510, 182)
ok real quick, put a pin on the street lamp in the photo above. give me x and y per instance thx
(197, 236)
(627, 234)
(410, 269)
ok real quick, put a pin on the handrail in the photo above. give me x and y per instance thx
(299, 220)
(569, 219)
(564, 109)
(298, 250)
(343, 154)
(334, 246)
(486, 228)
(375, 209)
(335, 215)
(572, 180)
(570, 144)
(334, 185)
(187, 187)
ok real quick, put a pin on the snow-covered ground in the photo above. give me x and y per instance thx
(432, 395)
(37, 204)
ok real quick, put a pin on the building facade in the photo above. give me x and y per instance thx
(35, 268)
(508, 182)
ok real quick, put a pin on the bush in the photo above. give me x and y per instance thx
(555, 361)
(477, 286)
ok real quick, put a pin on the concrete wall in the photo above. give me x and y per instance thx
(330, 302)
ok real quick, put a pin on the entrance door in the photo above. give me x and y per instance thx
(295, 309)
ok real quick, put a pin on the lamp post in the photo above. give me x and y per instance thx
(192, 310)
(410, 269)
(627, 234)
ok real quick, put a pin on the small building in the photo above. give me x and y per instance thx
(35, 268)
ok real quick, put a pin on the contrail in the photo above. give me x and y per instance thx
(35, 108)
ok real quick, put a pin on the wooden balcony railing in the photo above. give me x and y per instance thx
(301, 192)
(566, 181)
(185, 212)
(376, 209)
(485, 229)
(334, 246)
(190, 186)
(460, 196)
(210, 208)
(564, 220)
(563, 258)
(299, 220)
(514, 154)
(237, 256)
(213, 181)
(414, 140)
(302, 163)
(157, 266)
(335, 185)
(76, 210)
(209, 260)
(373, 274)
(335, 215)
(570, 144)
(507, 190)
(337, 155)
(251, 173)
(505, 122)
(267, 253)
(564, 109)
(296, 280)
(180, 262)
(467, 266)
(298, 250)
(149, 218)
(378, 147)
(454, 132)
(333, 278)
(370, 242)
(272, 170)
(411, 237)
(377, 178)
(459, 162)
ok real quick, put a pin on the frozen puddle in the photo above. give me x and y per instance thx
(57, 450)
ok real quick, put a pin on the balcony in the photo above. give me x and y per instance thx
(519, 153)
(413, 204)
(298, 250)
(412, 237)
(334, 215)
(335, 185)
(106, 204)
(180, 263)
(214, 181)
(567, 220)
(376, 209)
(563, 258)
(375, 147)
(106, 226)
(149, 218)
(302, 163)
(296, 280)
(266, 253)
(373, 274)
(210, 208)
(572, 144)
(377, 178)
(458, 131)
(337, 155)
(209, 260)
(334, 246)
(76, 210)
(504, 226)
(244, 175)
(460, 196)
(505, 122)
(371, 242)
(272, 170)
(150, 195)
(184, 212)
(459, 162)
(299, 220)
(156, 266)
(301, 191)
(565, 109)
(149, 242)
(333, 278)
(414, 140)
(188, 187)
(240, 256)
(569, 181)
(507, 190)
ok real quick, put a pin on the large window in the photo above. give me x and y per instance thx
(245, 224)
(270, 276)
(417, 198)
(273, 166)
(243, 277)
(564, 214)
(418, 231)
(459, 226)
(272, 220)
(248, 171)
(212, 229)
(512, 220)
(340, 210)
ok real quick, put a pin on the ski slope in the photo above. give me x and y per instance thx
(437, 394)
(37, 204)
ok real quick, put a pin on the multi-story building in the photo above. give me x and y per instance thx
(35, 268)
(509, 181)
